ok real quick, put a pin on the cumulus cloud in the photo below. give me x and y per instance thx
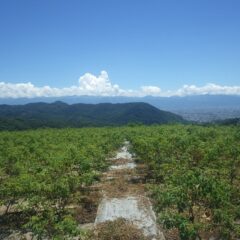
(18, 90)
(98, 85)
(209, 88)
(101, 85)
(151, 90)
(89, 84)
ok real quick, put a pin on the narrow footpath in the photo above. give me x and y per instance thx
(123, 195)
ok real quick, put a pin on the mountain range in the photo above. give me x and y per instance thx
(60, 114)
(201, 108)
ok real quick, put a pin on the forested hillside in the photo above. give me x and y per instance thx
(59, 115)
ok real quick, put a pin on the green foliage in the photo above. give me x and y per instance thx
(49, 225)
(195, 176)
(43, 172)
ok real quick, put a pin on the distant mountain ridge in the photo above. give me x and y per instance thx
(60, 114)
(166, 103)
(201, 108)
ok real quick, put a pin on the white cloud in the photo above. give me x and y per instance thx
(151, 90)
(101, 85)
(98, 85)
(18, 90)
(209, 88)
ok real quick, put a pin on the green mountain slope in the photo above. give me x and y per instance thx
(59, 114)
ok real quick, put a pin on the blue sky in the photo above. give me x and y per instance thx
(162, 43)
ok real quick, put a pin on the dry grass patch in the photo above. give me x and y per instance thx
(119, 229)
(86, 210)
(120, 161)
(121, 188)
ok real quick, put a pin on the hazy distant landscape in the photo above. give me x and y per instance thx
(209, 114)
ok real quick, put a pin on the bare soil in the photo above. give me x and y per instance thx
(119, 229)
(121, 186)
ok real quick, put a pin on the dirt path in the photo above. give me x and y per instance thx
(124, 196)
